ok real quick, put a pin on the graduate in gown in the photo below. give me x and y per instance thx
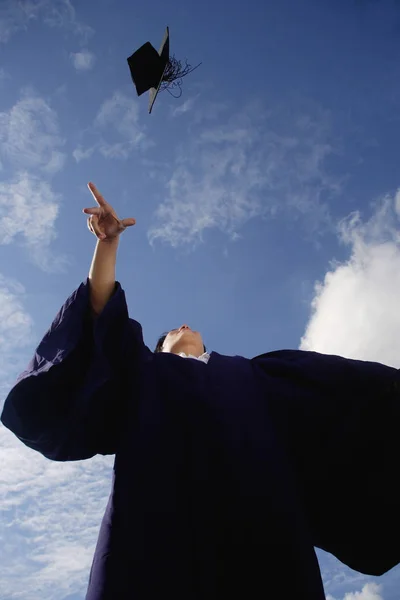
(228, 471)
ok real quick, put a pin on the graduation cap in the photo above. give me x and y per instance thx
(157, 71)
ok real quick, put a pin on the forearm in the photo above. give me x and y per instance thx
(102, 274)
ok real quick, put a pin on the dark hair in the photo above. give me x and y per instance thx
(161, 341)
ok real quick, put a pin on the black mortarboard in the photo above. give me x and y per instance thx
(147, 68)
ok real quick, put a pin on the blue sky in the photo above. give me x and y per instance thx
(267, 204)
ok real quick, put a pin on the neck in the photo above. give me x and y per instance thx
(192, 349)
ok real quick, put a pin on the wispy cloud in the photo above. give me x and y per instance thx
(16, 15)
(30, 145)
(3, 74)
(338, 577)
(245, 167)
(80, 154)
(29, 135)
(397, 203)
(83, 60)
(370, 591)
(50, 513)
(50, 518)
(355, 311)
(15, 329)
(118, 128)
(184, 107)
(120, 114)
(28, 211)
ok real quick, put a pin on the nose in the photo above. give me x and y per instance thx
(184, 327)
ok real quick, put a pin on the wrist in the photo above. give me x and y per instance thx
(109, 241)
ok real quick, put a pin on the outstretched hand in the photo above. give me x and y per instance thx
(103, 221)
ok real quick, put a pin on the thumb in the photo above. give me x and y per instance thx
(128, 222)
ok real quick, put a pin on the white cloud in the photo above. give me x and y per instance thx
(337, 577)
(81, 154)
(14, 321)
(370, 591)
(355, 311)
(83, 60)
(30, 141)
(50, 518)
(397, 202)
(118, 126)
(28, 211)
(16, 15)
(121, 114)
(50, 512)
(29, 135)
(210, 111)
(243, 168)
(184, 107)
(15, 329)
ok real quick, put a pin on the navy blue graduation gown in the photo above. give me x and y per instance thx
(226, 474)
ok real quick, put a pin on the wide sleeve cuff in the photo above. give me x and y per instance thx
(339, 421)
(60, 404)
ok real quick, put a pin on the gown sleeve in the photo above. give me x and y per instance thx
(339, 420)
(69, 403)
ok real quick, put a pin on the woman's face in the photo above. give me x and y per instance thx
(183, 336)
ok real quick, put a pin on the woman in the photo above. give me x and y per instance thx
(228, 471)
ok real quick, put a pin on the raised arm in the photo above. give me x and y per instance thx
(70, 402)
(107, 227)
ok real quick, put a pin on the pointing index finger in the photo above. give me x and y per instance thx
(96, 194)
